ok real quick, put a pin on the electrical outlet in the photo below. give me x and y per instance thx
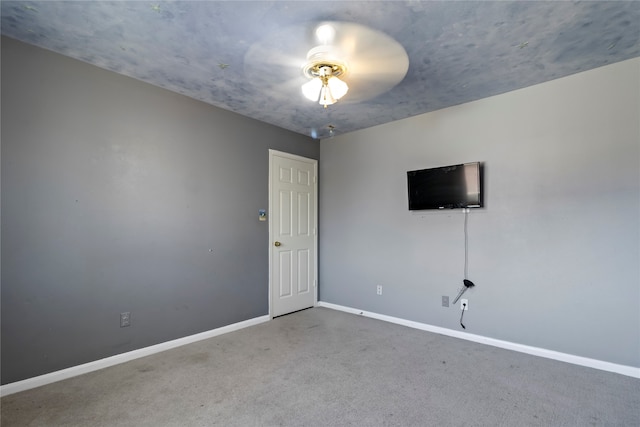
(464, 304)
(125, 319)
(379, 290)
(445, 301)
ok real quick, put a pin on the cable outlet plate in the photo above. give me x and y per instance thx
(464, 304)
(125, 319)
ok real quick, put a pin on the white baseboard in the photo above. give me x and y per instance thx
(74, 371)
(536, 351)
(52, 377)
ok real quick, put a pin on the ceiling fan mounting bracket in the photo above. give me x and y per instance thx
(322, 61)
(324, 69)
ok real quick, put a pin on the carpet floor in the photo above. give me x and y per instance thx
(321, 367)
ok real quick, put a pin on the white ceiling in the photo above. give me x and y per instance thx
(458, 51)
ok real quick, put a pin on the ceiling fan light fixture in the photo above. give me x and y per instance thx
(311, 89)
(326, 98)
(337, 87)
(324, 87)
(325, 33)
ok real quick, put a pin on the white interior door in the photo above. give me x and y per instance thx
(292, 232)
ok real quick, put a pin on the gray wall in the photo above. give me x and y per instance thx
(113, 194)
(554, 254)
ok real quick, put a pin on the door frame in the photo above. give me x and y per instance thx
(314, 162)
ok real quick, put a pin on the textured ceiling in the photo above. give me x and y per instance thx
(458, 51)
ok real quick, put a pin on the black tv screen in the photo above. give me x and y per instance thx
(446, 187)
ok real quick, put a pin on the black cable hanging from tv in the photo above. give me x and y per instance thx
(466, 243)
(467, 284)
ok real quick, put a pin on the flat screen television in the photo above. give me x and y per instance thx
(446, 187)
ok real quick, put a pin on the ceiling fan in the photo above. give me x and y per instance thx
(326, 62)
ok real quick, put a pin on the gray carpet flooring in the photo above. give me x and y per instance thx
(320, 367)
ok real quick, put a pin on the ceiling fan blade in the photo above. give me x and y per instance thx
(375, 61)
(356, 41)
(370, 79)
(259, 62)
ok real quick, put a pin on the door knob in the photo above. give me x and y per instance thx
(277, 243)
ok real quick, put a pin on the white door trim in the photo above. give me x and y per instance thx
(314, 162)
